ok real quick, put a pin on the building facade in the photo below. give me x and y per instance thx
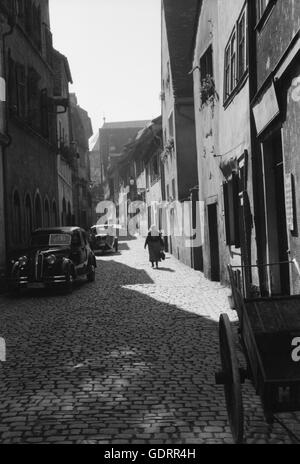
(113, 137)
(222, 112)
(275, 116)
(65, 147)
(178, 120)
(5, 21)
(81, 129)
(95, 174)
(30, 168)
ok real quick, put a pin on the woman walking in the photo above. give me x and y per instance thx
(155, 245)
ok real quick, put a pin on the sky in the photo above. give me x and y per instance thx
(113, 49)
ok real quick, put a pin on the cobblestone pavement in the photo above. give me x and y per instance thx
(130, 358)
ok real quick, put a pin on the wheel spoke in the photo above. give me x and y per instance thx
(232, 386)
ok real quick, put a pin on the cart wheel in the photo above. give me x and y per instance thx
(232, 381)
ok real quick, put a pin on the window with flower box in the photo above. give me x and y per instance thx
(206, 75)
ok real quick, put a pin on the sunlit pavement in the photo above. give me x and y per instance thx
(130, 358)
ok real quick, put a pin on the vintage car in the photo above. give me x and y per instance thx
(56, 256)
(103, 237)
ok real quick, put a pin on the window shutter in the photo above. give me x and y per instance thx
(226, 212)
(236, 208)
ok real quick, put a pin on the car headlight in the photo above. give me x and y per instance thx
(51, 259)
(23, 260)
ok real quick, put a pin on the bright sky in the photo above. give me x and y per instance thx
(113, 48)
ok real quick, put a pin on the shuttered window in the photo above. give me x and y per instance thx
(232, 211)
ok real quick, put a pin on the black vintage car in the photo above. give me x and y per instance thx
(56, 256)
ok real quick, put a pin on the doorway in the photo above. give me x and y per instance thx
(212, 211)
(276, 226)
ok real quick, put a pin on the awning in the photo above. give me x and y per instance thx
(288, 60)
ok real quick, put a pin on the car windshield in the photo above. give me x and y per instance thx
(44, 239)
(100, 229)
(105, 228)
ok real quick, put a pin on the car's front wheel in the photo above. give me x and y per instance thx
(91, 273)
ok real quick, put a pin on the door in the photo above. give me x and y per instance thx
(276, 226)
(214, 241)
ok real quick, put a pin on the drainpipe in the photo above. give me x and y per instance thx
(11, 23)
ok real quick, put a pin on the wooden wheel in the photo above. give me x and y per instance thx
(231, 379)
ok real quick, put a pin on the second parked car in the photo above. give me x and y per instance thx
(104, 237)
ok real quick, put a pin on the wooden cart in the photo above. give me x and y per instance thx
(269, 332)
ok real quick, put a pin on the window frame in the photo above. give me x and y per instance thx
(241, 72)
(206, 71)
(233, 75)
(263, 13)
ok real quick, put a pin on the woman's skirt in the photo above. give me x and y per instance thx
(154, 251)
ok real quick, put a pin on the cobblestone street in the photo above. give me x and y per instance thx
(129, 358)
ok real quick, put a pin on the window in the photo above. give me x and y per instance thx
(235, 57)
(227, 90)
(261, 5)
(45, 114)
(206, 75)
(154, 169)
(242, 52)
(173, 189)
(232, 63)
(33, 99)
(231, 210)
(230, 66)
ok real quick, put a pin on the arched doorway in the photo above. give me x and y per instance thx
(28, 217)
(47, 213)
(54, 214)
(38, 218)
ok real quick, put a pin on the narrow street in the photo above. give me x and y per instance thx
(130, 358)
